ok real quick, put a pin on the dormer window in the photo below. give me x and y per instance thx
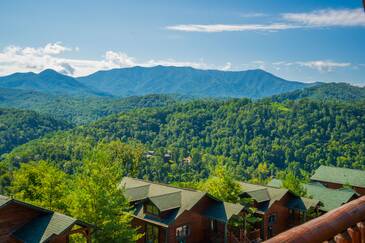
(151, 209)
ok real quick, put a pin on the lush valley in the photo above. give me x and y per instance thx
(300, 134)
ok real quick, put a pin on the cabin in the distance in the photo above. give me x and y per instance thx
(22, 222)
(336, 177)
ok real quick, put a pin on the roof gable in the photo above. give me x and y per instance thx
(222, 211)
(167, 201)
(263, 193)
(340, 175)
(42, 228)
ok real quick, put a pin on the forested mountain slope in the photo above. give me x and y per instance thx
(300, 134)
(189, 81)
(332, 91)
(78, 110)
(18, 127)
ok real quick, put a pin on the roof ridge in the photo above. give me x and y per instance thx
(163, 184)
(165, 194)
(341, 168)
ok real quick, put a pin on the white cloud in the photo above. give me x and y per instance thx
(314, 19)
(211, 28)
(227, 67)
(324, 65)
(252, 15)
(54, 48)
(328, 17)
(30, 59)
(320, 65)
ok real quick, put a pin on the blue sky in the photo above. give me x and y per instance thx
(308, 40)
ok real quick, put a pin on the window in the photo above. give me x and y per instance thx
(213, 226)
(152, 233)
(151, 209)
(272, 219)
(270, 232)
(182, 231)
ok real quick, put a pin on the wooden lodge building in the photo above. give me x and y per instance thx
(278, 208)
(335, 178)
(22, 222)
(170, 214)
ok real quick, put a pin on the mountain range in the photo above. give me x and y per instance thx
(156, 80)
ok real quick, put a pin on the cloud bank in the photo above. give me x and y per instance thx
(29, 59)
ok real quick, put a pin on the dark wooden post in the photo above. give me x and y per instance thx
(88, 235)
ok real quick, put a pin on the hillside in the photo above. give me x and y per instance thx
(78, 110)
(48, 81)
(189, 81)
(330, 91)
(303, 134)
(18, 127)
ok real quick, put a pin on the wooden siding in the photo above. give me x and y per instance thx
(13, 217)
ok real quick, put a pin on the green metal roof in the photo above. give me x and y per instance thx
(167, 201)
(340, 176)
(42, 228)
(165, 197)
(330, 198)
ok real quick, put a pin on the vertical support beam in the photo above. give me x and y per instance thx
(225, 232)
(361, 227)
(354, 234)
(88, 235)
(166, 235)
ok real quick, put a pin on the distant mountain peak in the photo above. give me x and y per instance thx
(49, 71)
